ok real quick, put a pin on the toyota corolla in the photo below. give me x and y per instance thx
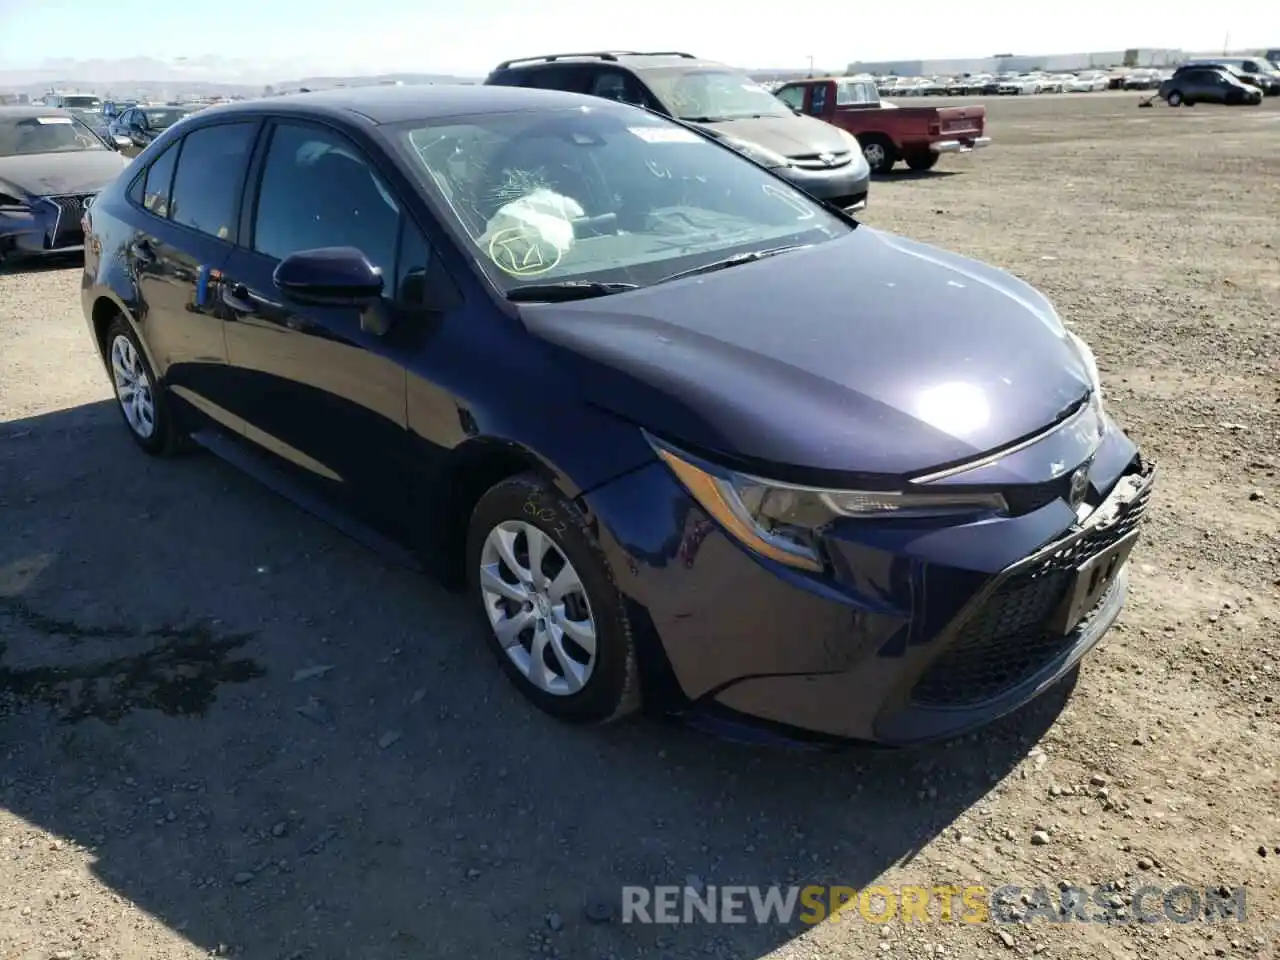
(686, 437)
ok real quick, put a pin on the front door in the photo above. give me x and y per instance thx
(323, 396)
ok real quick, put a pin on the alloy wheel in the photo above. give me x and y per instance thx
(538, 607)
(133, 387)
(874, 155)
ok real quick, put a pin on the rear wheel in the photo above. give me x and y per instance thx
(922, 161)
(142, 400)
(554, 617)
(879, 152)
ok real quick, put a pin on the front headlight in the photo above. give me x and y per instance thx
(850, 140)
(1090, 362)
(761, 155)
(784, 522)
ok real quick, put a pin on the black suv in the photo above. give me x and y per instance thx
(824, 161)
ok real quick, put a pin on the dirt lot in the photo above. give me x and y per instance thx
(171, 787)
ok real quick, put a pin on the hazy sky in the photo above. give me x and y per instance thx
(293, 37)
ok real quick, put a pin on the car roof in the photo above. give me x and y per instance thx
(19, 111)
(631, 59)
(381, 105)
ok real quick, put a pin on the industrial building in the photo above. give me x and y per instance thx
(1017, 63)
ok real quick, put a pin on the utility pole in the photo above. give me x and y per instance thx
(811, 66)
(1226, 44)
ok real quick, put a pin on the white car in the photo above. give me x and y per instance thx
(1090, 81)
(1051, 83)
(1026, 84)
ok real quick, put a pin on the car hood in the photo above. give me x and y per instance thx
(871, 354)
(82, 171)
(791, 136)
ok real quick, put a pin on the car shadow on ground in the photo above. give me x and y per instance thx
(43, 264)
(274, 741)
(905, 175)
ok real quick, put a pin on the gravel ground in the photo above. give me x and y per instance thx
(227, 730)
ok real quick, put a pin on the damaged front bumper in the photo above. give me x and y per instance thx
(43, 226)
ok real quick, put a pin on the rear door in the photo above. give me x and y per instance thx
(324, 397)
(189, 198)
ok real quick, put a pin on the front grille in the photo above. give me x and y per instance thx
(813, 161)
(1010, 638)
(66, 230)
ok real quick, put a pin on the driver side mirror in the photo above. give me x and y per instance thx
(336, 277)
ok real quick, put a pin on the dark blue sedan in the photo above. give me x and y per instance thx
(688, 437)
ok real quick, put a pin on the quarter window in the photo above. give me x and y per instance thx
(206, 186)
(318, 191)
(155, 183)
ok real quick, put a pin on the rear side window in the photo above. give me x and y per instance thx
(152, 188)
(818, 98)
(569, 78)
(206, 186)
(613, 84)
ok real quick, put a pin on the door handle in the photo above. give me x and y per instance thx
(142, 251)
(239, 299)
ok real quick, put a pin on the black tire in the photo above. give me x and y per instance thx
(922, 161)
(879, 152)
(612, 689)
(1175, 98)
(166, 438)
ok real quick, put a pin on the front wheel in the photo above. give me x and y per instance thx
(553, 614)
(1174, 98)
(922, 161)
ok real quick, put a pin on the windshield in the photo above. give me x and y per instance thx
(709, 95)
(601, 195)
(82, 103)
(29, 135)
(162, 119)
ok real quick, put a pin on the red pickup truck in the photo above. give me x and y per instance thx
(888, 133)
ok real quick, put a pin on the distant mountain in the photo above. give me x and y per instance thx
(205, 76)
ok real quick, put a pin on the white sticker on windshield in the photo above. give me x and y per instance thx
(53, 119)
(665, 134)
(754, 88)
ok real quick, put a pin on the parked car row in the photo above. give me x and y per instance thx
(1001, 84)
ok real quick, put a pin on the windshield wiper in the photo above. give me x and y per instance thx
(567, 290)
(736, 260)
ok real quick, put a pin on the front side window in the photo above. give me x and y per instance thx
(206, 185)
(710, 95)
(792, 97)
(606, 194)
(58, 133)
(318, 191)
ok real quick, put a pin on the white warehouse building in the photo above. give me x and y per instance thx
(1053, 63)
